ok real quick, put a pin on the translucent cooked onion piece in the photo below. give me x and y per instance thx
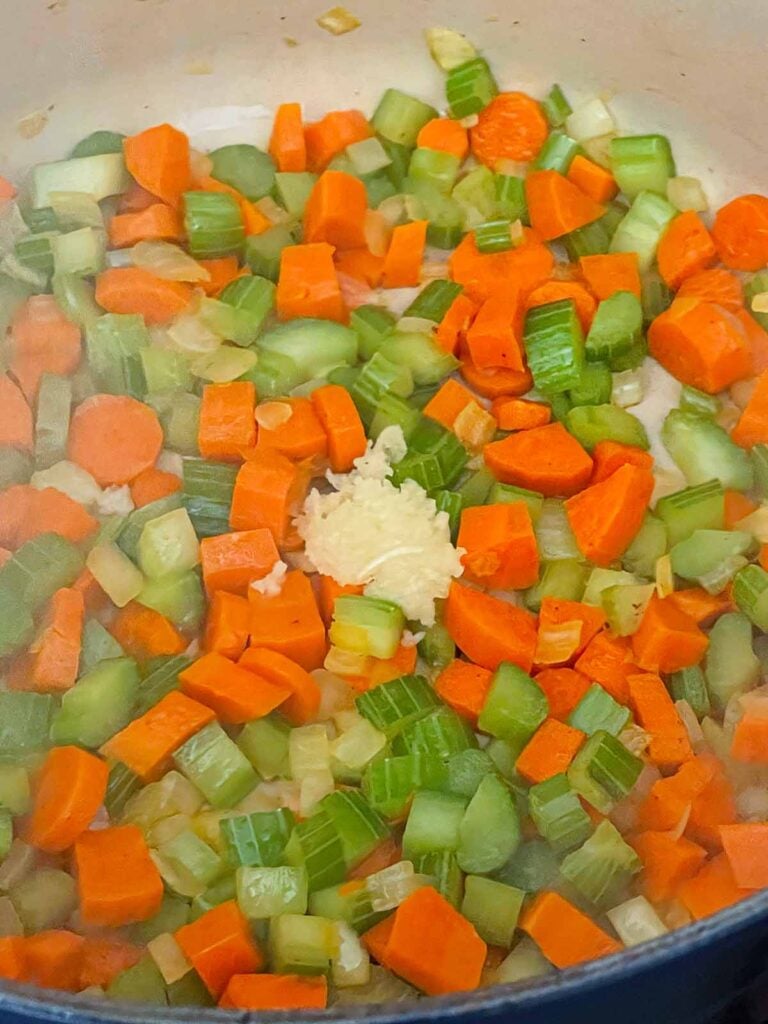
(168, 261)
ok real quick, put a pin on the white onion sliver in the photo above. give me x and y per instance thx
(271, 415)
(687, 194)
(589, 121)
(168, 262)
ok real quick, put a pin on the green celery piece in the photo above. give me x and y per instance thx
(101, 175)
(258, 839)
(750, 592)
(214, 225)
(433, 301)
(434, 167)
(759, 455)
(162, 678)
(704, 451)
(564, 579)
(15, 793)
(293, 190)
(533, 868)
(115, 343)
(507, 494)
(595, 238)
(189, 991)
(616, 331)
(398, 703)
(449, 502)
(178, 596)
(494, 236)
(128, 540)
(316, 845)
(693, 400)
(648, 545)
(265, 743)
(98, 705)
(591, 424)
(597, 710)
(707, 553)
(15, 468)
(604, 771)
(121, 786)
(755, 286)
(98, 644)
(732, 667)
(595, 386)
(339, 904)
(366, 625)
(222, 891)
(172, 915)
(24, 723)
(556, 107)
(359, 826)
(642, 163)
(372, 324)
(656, 296)
(266, 892)
(212, 761)
(515, 706)
(399, 118)
(435, 457)
(476, 194)
(557, 153)
(390, 782)
(441, 732)
(489, 833)
(511, 201)
(493, 908)
(188, 864)
(470, 87)
(428, 363)
(558, 815)
(437, 647)
(467, 770)
(76, 299)
(601, 580)
(245, 168)
(641, 229)
(602, 867)
(262, 252)
(701, 507)
(99, 142)
(168, 545)
(690, 685)
(314, 346)
(625, 605)
(554, 344)
(252, 300)
(142, 983)
(475, 490)
(434, 823)
(302, 945)
(443, 867)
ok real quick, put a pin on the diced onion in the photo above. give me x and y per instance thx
(636, 921)
(687, 194)
(525, 961)
(378, 231)
(117, 258)
(271, 585)
(19, 862)
(314, 786)
(759, 303)
(10, 922)
(169, 262)
(628, 388)
(665, 578)
(691, 723)
(200, 164)
(415, 325)
(115, 501)
(173, 794)
(189, 334)
(167, 829)
(391, 886)
(409, 639)
(676, 915)
(271, 415)
(752, 803)
(742, 391)
(590, 121)
(599, 150)
(475, 427)
(351, 967)
(338, 21)
(273, 211)
(335, 694)
(756, 523)
(70, 479)
(11, 266)
(449, 48)
(347, 663)
(76, 210)
(357, 746)
(308, 751)
(635, 739)
(517, 232)
(171, 462)
(511, 168)
(392, 209)
(470, 121)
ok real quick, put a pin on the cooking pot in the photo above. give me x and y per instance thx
(693, 69)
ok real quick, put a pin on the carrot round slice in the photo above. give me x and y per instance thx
(114, 438)
(70, 790)
(512, 127)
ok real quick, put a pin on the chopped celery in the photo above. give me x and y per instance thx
(642, 163)
(44, 899)
(704, 451)
(558, 815)
(449, 502)
(168, 545)
(216, 766)
(476, 488)
(162, 679)
(515, 706)
(165, 370)
(366, 625)
(591, 424)
(594, 387)
(553, 533)
(493, 908)
(732, 667)
(15, 468)
(221, 891)
(470, 87)
(130, 535)
(378, 378)
(625, 605)
(466, 770)
(115, 573)
(359, 826)
(604, 771)
(476, 195)
(436, 646)
(656, 295)
(99, 176)
(564, 579)
(556, 107)
(189, 991)
(293, 190)
(372, 324)
(79, 252)
(602, 579)
(701, 507)
(595, 238)
(443, 867)
(435, 457)
(98, 143)
(525, 962)
(399, 118)
(115, 343)
(693, 400)
(434, 823)
(207, 495)
(267, 892)
(316, 845)
(433, 302)
(756, 285)
(14, 788)
(214, 224)
(489, 833)
(24, 723)
(648, 545)
(616, 330)
(180, 420)
(706, 553)
(142, 983)
(394, 705)
(245, 168)
(265, 743)
(506, 494)
(442, 733)
(750, 592)
(188, 865)
(390, 782)
(172, 915)
(534, 866)
(554, 344)
(434, 167)
(35, 253)
(252, 300)
(690, 685)
(428, 363)
(121, 786)
(262, 252)
(302, 945)
(511, 200)
(98, 705)
(54, 401)
(448, 48)
(603, 866)
(641, 229)
(598, 710)
(345, 903)
(258, 839)
(557, 153)
(314, 346)
(494, 236)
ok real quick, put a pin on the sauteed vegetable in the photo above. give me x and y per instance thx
(384, 585)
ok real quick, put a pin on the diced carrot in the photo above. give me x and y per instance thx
(611, 273)
(328, 591)
(605, 517)
(488, 630)
(667, 639)
(445, 135)
(341, 422)
(53, 959)
(25, 513)
(700, 605)
(227, 426)
(701, 344)
(231, 561)
(565, 935)
(750, 739)
(116, 877)
(114, 438)
(607, 660)
(275, 992)
(546, 459)
(158, 223)
(686, 248)
(402, 264)
(594, 180)
(667, 862)
(464, 687)
(610, 455)
(447, 402)
(361, 266)
(308, 284)
(42, 340)
(549, 751)
(159, 160)
(235, 694)
(656, 713)
(741, 233)
(219, 945)
(376, 938)
(511, 127)
(284, 673)
(520, 414)
(501, 548)
(287, 146)
(752, 427)
(326, 138)
(300, 436)
(12, 958)
(757, 339)
(290, 622)
(16, 425)
(432, 946)
(335, 211)
(556, 206)
(94, 597)
(136, 290)
(556, 291)
(493, 339)
(714, 888)
(495, 383)
(713, 808)
(716, 285)
(153, 484)
(746, 847)
(226, 624)
(670, 798)
(738, 505)
(144, 633)
(105, 958)
(222, 272)
(563, 688)
(7, 189)
(453, 327)
(555, 612)
(55, 654)
(485, 274)
(69, 790)
(146, 744)
(267, 490)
